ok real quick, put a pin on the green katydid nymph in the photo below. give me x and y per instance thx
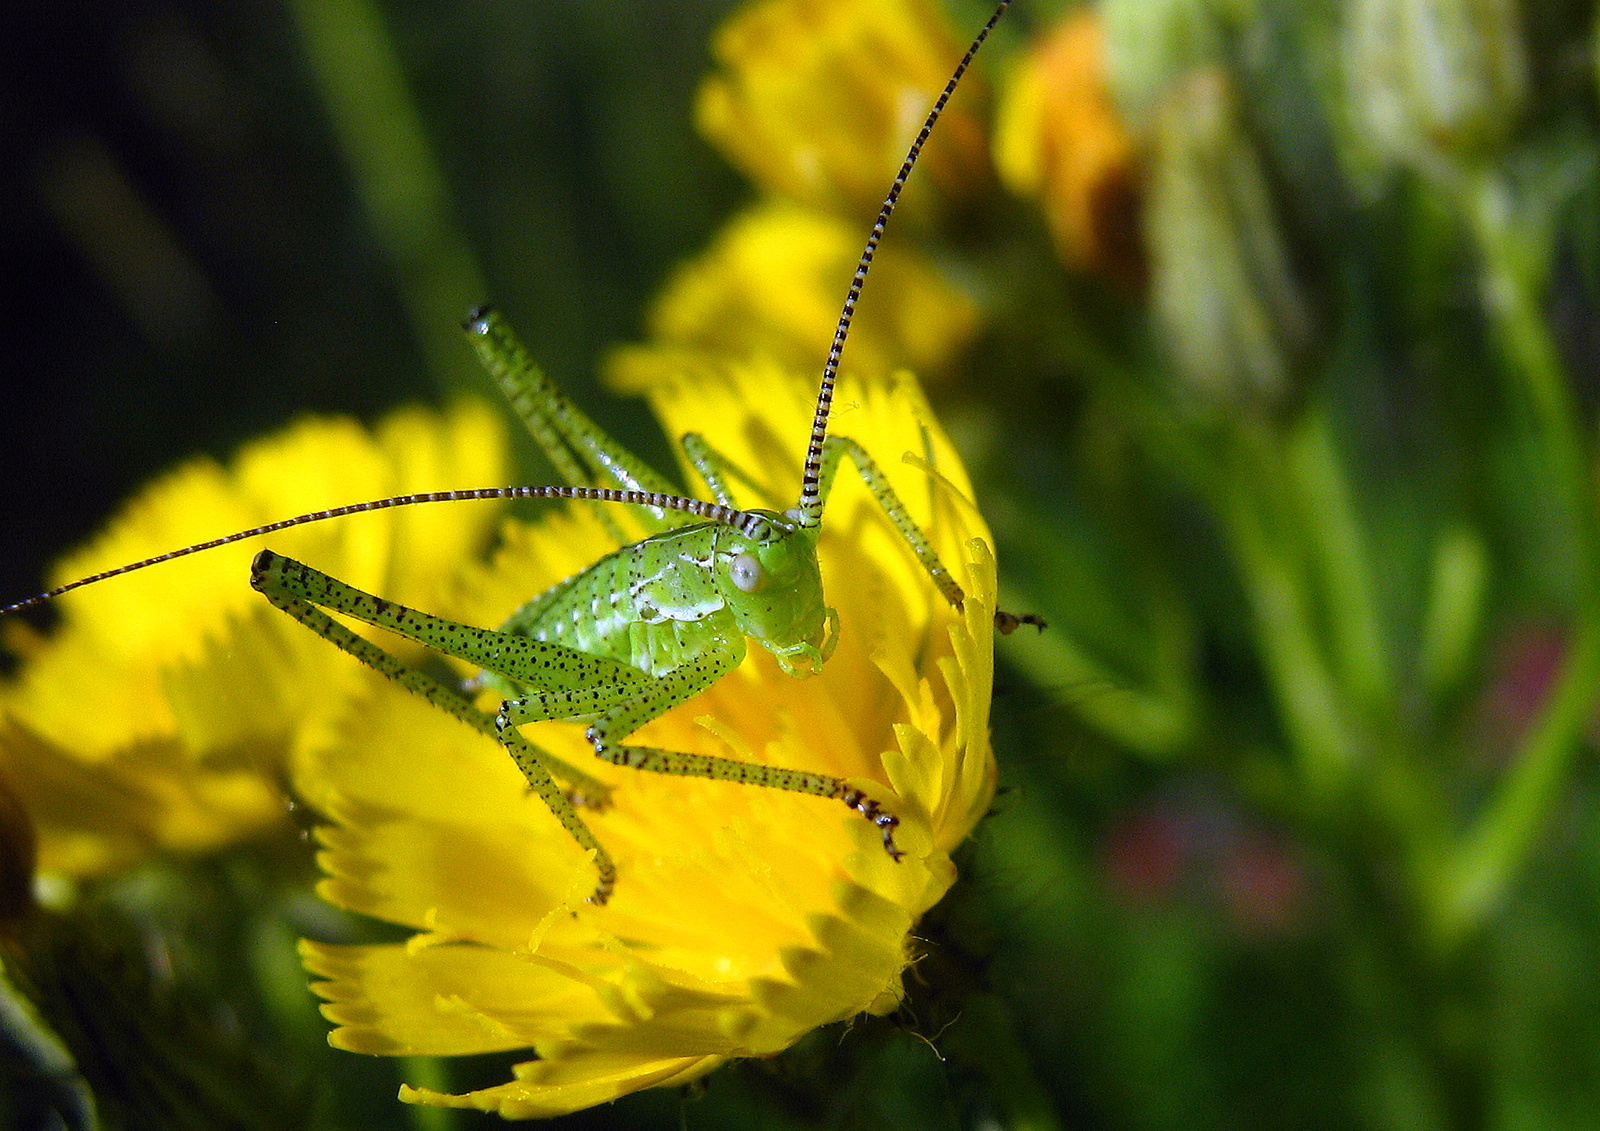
(648, 626)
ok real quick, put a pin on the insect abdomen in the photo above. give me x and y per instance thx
(652, 605)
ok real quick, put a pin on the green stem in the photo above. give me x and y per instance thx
(1333, 534)
(1157, 721)
(1354, 763)
(1498, 846)
(397, 175)
(1314, 712)
(430, 1072)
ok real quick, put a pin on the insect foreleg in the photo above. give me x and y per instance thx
(534, 763)
(834, 449)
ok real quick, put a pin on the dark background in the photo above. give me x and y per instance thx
(190, 265)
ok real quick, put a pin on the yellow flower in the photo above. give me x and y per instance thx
(1058, 137)
(743, 918)
(158, 715)
(770, 286)
(818, 100)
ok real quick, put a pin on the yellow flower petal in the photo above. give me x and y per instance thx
(198, 687)
(545, 1089)
(818, 101)
(743, 917)
(149, 797)
(771, 284)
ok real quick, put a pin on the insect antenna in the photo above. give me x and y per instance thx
(810, 506)
(749, 524)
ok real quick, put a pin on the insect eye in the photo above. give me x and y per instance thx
(746, 572)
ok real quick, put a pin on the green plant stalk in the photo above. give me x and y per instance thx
(1496, 848)
(1333, 534)
(1156, 722)
(430, 1072)
(397, 176)
(1351, 764)
(1454, 612)
(1402, 799)
(1275, 579)
(1159, 720)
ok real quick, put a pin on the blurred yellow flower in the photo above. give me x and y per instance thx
(818, 100)
(743, 918)
(158, 715)
(771, 284)
(1058, 137)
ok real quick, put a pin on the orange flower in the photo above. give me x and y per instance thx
(1059, 138)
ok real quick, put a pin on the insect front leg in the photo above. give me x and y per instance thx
(834, 449)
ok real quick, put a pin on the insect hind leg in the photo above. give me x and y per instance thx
(582, 452)
(536, 764)
(718, 471)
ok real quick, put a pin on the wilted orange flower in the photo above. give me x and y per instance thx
(743, 918)
(158, 715)
(1059, 138)
(818, 100)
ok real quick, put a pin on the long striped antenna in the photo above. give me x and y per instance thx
(751, 525)
(810, 506)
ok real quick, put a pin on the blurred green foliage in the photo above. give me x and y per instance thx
(1298, 823)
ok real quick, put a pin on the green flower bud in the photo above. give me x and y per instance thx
(1233, 314)
(1150, 44)
(1434, 82)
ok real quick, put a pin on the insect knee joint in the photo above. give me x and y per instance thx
(1007, 623)
(887, 822)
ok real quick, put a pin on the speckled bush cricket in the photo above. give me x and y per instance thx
(650, 625)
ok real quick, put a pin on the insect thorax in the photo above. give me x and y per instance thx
(650, 605)
(682, 593)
